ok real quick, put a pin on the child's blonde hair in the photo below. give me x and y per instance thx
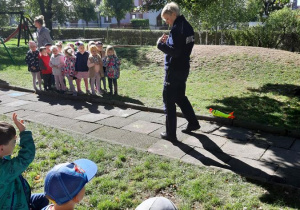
(108, 48)
(68, 51)
(93, 47)
(31, 43)
(53, 47)
(59, 44)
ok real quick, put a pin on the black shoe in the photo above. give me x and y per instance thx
(190, 128)
(165, 136)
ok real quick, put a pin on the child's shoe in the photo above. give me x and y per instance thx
(89, 92)
(74, 94)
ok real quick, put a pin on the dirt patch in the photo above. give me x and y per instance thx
(208, 52)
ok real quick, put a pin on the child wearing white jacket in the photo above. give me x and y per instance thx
(57, 62)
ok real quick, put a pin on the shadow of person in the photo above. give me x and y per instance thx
(212, 155)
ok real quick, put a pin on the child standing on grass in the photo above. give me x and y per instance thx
(32, 60)
(15, 191)
(69, 68)
(44, 60)
(81, 67)
(101, 52)
(57, 63)
(95, 69)
(112, 64)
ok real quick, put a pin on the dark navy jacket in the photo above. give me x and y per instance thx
(177, 50)
(81, 61)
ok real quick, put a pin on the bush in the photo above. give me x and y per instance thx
(140, 23)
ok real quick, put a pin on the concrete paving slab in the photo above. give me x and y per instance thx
(202, 157)
(83, 127)
(289, 176)
(17, 103)
(142, 127)
(70, 112)
(36, 106)
(120, 112)
(29, 97)
(180, 136)
(146, 116)
(234, 133)
(53, 109)
(5, 99)
(282, 157)
(207, 127)
(6, 109)
(92, 117)
(116, 122)
(206, 141)
(253, 168)
(277, 141)
(137, 140)
(60, 122)
(162, 120)
(39, 117)
(21, 113)
(296, 146)
(16, 94)
(166, 148)
(109, 134)
(246, 150)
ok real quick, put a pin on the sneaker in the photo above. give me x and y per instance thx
(74, 94)
(93, 93)
(89, 92)
(189, 128)
(80, 92)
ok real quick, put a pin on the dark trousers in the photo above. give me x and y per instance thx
(175, 94)
(47, 81)
(38, 201)
(110, 84)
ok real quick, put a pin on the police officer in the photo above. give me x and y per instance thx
(177, 48)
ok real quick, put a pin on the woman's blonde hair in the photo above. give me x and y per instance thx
(170, 8)
(108, 48)
(59, 44)
(39, 19)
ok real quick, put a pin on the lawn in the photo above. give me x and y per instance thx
(258, 84)
(126, 177)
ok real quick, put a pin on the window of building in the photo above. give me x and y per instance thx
(133, 16)
(107, 19)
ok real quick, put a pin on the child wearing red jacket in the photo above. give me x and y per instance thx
(44, 60)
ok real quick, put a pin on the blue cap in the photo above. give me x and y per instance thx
(64, 181)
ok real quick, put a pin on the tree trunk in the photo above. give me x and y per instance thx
(87, 23)
(119, 23)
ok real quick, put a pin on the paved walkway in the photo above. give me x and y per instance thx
(258, 155)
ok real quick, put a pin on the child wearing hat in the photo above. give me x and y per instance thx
(65, 183)
(15, 192)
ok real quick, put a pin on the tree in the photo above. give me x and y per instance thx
(265, 7)
(85, 10)
(116, 8)
(51, 10)
(9, 6)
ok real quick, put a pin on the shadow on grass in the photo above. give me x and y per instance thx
(135, 55)
(266, 110)
(274, 193)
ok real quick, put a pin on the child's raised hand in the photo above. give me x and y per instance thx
(19, 123)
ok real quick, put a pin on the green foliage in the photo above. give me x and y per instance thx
(281, 30)
(140, 23)
(85, 10)
(116, 8)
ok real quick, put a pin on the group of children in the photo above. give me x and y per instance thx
(53, 63)
(64, 184)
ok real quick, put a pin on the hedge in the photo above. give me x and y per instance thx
(255, 36)
(140, 23)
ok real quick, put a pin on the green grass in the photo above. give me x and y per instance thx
(257, 89)
(126, 177)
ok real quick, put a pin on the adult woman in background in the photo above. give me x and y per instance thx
(43, 33)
